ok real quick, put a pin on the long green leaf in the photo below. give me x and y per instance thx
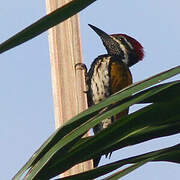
(127, 170)
(133, 134)
(45, 23)
(136, 128)
(82, 117)
(52, 140)
(164, 96)
(170, 154)
(55, 168)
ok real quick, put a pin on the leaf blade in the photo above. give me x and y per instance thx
(45, 23)
(141, 131)
(81, 118)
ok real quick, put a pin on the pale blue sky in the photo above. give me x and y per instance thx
(26, 106)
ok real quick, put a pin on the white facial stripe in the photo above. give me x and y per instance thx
(129, 44)
(123, 48)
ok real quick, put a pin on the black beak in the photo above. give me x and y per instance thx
(104, 36)
(110, 44)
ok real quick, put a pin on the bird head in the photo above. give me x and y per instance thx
(127, 48)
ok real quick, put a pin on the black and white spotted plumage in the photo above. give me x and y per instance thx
(110, 72)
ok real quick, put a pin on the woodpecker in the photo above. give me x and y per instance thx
(110, 72)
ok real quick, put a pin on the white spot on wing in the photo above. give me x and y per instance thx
(100, 81)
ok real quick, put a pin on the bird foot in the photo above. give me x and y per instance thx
(81, 66)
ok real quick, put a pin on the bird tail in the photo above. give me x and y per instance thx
(96, 161)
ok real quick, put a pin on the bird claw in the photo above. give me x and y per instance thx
(82, 66)
(108, 155)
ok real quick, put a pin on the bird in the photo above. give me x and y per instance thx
(109, 73)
